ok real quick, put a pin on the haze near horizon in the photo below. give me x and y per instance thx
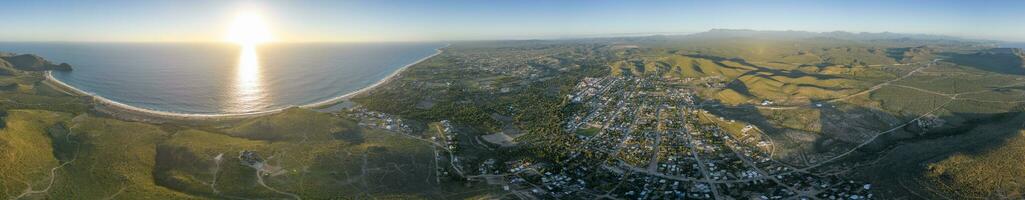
(368, 21)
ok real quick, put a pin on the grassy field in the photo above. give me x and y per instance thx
(381, 164)
(800, 89)
(989, 173)
(293, 125)
(909, 102)
(949, 78)
(111, 158)
(26, 151)
(731, 97)
(977, 163)
(588, 132)
(805, 76)
(805, 119)
(52, 147)
(483, 87)
(143, 161)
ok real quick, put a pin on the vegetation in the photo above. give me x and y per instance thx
(26, 151)
(381, 164)
(293, 125)
(115, 157)
(909, 102)
(456, 86)
(990, 173)
(53, 146)
(999, 60)
(880, 105)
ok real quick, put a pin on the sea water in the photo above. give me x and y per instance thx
(213, 78)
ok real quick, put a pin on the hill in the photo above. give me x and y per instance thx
(991, 173)
(765, 113)
(293, 124)
(27, 152)
(29, 62)
(53, 146)
(1000, 60)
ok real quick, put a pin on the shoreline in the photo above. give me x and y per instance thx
(121, 109)
(384, 80)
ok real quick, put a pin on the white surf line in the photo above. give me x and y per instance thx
(147, 112)
(376, 84)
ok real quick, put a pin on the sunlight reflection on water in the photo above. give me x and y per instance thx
(218, 78)
(248, 89)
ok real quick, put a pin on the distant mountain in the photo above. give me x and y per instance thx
(900, 39)
(734, 33)
(746, 33)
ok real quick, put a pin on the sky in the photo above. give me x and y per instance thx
(423, 20)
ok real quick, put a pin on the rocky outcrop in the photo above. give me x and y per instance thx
(917, 54)
(29, 62)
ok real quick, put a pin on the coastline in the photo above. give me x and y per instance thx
(122, 110)
(384, 80)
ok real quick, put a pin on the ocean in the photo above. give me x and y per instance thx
(210, 78)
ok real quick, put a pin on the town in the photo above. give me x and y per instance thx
(644, 138)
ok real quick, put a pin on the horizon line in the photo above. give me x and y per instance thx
(512, 38)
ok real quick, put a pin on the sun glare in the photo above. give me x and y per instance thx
(249, 29)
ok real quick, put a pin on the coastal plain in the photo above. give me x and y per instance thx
(723, 114)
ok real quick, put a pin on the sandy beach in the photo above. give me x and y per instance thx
(130, 112)
(384, 80)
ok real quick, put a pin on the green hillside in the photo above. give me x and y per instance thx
(27, 152)
(114, 157)
(293, 124)
(820, 116)
(54, 146)
(989, 173)
(1000, 60)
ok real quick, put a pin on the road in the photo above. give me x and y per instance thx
(873, 138)
(259, 179)
(951, 97)
(869, 90)
(653, 161)
(704, 171)
(747, 161)
(451, 155)
(701, 163)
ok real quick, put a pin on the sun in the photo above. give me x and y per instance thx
(249, 29)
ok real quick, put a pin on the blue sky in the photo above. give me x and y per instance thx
(398, 20)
